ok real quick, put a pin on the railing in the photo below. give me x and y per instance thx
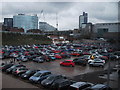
(24, 33)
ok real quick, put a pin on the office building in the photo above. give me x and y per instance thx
(44, 26)
(1, 24)
(108, 30)
(8, 22)
(83, 19)
(26, 22)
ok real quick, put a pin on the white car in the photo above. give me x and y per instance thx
(97, 62)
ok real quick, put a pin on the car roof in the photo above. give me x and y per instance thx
(68, 60)
(99, 86)
(63, 80)
(78, 84)
(44, 71)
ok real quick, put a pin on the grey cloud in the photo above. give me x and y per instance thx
(68, 12)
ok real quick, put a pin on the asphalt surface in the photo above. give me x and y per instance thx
(10, 81)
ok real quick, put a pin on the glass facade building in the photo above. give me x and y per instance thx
(25, 21)
(44, 26)
(83, 19)
(8, 22)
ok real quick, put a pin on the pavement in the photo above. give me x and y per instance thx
(101, 77)
(114, 80)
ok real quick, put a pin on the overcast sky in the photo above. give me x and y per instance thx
(67, 12)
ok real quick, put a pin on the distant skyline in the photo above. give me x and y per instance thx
(67, 12)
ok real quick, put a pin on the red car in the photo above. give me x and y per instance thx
(75, 54)
(68, 63)
(58, 56)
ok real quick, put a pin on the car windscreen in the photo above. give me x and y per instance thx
(50, 78)
(13, 67)
(37, 74)
(28, 72)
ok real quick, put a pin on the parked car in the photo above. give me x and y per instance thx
(28, 74)
(9, 70)
(100, 87)
(6, 66)
(51, 79)
(68, 63)
(97, 62)
(18, 71)
(75, 54)
(65, 56)
(38, 59)
(22, 58)
(51, 57)
(80, 85)
(80, 61)
(61, 84)
(57, 56)
(39, 76)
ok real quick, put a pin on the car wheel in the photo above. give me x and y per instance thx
(101, 66)
(89, 62)
(90, 65)
(71, 66)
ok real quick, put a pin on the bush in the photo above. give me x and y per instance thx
(22, 39)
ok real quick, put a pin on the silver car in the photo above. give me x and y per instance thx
(97, 62)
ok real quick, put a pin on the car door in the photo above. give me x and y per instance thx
(67, 63)
(98, 63)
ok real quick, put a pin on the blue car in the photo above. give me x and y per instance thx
(39, 76)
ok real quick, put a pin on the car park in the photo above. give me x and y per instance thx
(39, 76)
(67, 63)
(46, 52)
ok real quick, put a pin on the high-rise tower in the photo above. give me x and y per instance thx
(83, 19)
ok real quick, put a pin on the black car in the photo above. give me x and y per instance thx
(9, 70)
(65, 56)
(6, 66)
(18, 71)
(62, 84)
(51, 79)
(28, 74)
(80, 61)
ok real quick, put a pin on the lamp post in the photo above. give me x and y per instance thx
(108, 72)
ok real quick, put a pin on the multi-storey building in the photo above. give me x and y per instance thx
(8, 22)
(25, 21)
(108, 30)
(44, 26)
(83, 19)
